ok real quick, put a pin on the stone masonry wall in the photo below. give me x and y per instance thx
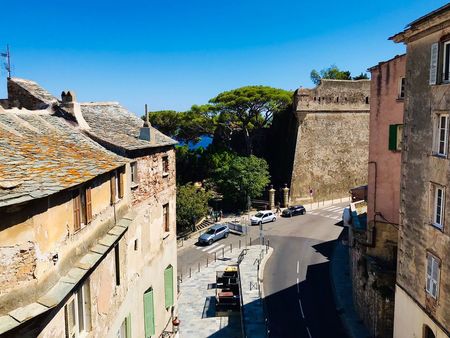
(332, 140)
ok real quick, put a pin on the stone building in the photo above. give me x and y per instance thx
(422, 295)
(332, 139)
(87, 210)
(373, 249)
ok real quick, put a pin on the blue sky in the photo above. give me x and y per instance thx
(172, 54)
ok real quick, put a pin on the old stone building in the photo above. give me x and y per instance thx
(87, 210)
(373, 244)
(332, 139)
(422, 295)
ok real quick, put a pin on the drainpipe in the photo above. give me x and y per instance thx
(371, 232)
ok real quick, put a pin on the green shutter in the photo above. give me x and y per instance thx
(392, 137)
(129, 326)
(149, 313)
(168, 286)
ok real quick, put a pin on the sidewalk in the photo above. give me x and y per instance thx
(342, 289)
(196, 303)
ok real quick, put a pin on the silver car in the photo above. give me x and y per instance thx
(214, 233)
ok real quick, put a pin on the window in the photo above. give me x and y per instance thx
(76, 211)
(77, 312)
(117, 185)
(433, 272)
(166, 224)
(149, 313)
(438, 198)
(117, 263)
(401, 89)
(427, 332)
(165, 164)
(446, 62)
(168, 286)
(395, 137)
(441, 135)
(82, 207)
(125, 328)
(134, 173)
(434, 63)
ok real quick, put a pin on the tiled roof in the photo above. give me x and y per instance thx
(41, 154)
(112, 123)
(34, 89)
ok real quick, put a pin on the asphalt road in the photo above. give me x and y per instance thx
(297, 283)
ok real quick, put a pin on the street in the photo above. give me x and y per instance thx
(297, 283)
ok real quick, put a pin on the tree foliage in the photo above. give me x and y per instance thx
(239, 177)
(248, 108)
(192, 205)
(362, 76)
(332, 72)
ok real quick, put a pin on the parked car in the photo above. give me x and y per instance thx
(294, 210)
(263, 217)
(214, 233)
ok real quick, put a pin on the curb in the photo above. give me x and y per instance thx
(261, 270)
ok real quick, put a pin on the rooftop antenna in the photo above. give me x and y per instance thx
(7, 55)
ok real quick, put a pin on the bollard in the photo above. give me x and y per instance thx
(198, 266)
(223, 252)
(190, 272)
(206, 261)
(250, 241)
(215, 256)
(231, 247)
(239, 244)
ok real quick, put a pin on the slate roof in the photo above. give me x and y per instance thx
(34, 89)
(114, 124)
(41, 154)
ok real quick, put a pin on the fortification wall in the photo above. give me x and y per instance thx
(332, 142)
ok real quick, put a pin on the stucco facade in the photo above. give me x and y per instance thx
(332, 140)
(423, 271)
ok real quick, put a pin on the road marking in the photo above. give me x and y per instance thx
(298, 286)
(301, 308)
(210, 247)
(215, 249)
(309, 333)
(298, 266)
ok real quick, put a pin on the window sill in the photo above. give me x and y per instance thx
(439, 227)
(165, 174)
(443, 156)
(166, 235)
(134, 186)
(400, 99)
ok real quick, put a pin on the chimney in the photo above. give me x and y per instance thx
(146, 133)
(69, 103)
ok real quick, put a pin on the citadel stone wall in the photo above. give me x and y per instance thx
(331, 152)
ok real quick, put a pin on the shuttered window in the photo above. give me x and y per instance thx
(76, 211)
(446, 65)
(113, 187)
(88, 205)
(149, 313)
(438, 194)
(395, 137)
(433, 272)
(166, 226)
(434, 63)
(441, 135)
(129, 326)
(168, 286)
(121, 183)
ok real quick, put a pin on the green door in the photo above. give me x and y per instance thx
(149, 313)
(168, 286)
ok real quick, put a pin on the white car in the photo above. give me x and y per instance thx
(263, 217)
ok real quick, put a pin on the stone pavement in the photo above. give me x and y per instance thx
(196, 301)
(342, 289)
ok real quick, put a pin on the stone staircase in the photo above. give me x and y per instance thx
(206, 223)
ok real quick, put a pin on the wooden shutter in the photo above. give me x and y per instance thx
(429, 272)
(434, 63)
(76, 211)
(88, 205)
(112, 184)
(129, 325)
(392, 137)
(149, 313)
(168, 286)
(121, 183)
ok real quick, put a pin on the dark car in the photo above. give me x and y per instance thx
(294, 210)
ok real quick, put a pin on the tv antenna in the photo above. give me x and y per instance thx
(7, 64)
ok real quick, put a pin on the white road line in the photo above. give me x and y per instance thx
(210, 247)
(215, 249)
(298, 267)
(309, 333)
(301, 308)
(298, 286)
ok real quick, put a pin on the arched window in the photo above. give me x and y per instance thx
(427, 332)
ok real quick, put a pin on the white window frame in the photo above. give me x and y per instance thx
(81, 303)
(433, 274)
(401, 85)
(438, 206)
(441, 135)
(134, 173)
(445, 65)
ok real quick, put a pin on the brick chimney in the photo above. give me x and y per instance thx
(69, 103)
(146, 132)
